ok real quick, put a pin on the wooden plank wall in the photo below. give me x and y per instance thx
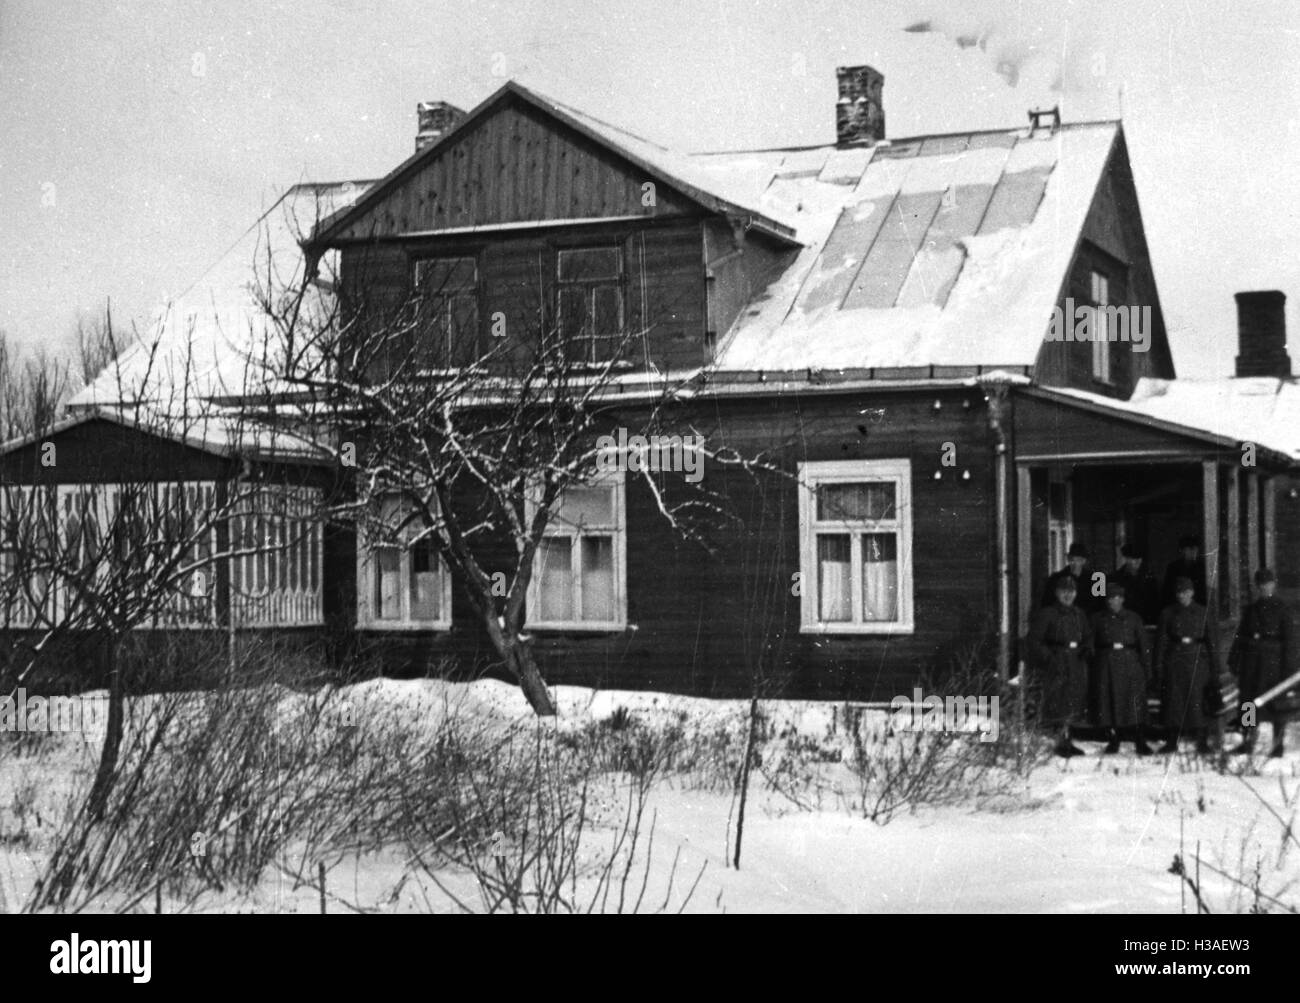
(515, 164)
(699, 613)
(665, 290)
(1046, 428)
(99, 452)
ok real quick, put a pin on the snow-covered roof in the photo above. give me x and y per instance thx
(1260, 409)
(216, 340)
(945, 251)
(682, 171)
(219, 431)
(939, 251)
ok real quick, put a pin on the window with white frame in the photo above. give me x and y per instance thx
(276, 540)
(578, 572)
(402, 581)
(1100, 334)
(855, 522)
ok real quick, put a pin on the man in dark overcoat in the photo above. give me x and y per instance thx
(1079, 571)
(1263, 654)
(1060, 644)
(1191, 565)
(1141, 591)
(1121, 670)
(1187, 663)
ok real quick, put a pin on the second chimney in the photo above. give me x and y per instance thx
(435, 118)
(860, 110)
(1261, 335)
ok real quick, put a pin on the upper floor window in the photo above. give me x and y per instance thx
(590, 301)
(1100, 295)
(448, 293)
(855, 525)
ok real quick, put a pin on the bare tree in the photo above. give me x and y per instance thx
(481, 426)
(32, 390)
(124, 545)
(95, 344)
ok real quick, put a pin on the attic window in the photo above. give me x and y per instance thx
(1100, 292)
(448, 298)
(589, 301)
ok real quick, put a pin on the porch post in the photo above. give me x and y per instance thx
(1252, 524)
(1270, 522)
(1233, 569)
(1024, 547)
(1210, 532)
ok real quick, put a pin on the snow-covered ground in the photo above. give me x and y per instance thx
(1094, 834)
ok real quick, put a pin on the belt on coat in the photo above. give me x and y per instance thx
(1191, 640)
(1266, 637)
(1071, 645)
(1119, 645)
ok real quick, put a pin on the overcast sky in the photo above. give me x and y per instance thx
(139, 140)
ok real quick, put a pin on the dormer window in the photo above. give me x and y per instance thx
(590, 301)
(448, 292)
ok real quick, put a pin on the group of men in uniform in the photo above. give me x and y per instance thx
(1094, 662)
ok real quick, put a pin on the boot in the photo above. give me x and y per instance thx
(1202, 743)
(1247, 744)
(1171, 744)
(1112, 746)
(1066, 747)
(1279, 739)
(1140, 743)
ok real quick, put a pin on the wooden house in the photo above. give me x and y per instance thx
(903, 325)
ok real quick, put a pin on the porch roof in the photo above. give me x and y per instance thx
(1172, 420)
(225, 434)
(1263, 410)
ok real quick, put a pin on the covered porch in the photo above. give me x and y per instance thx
(1090, 474)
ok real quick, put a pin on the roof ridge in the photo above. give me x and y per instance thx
(572, 110)
(889, 141)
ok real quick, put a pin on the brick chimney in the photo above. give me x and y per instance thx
(860, 110)
(1261, 334)
(435, 118)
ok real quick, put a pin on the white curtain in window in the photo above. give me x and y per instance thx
(555, 585)
(388, 584)
(598, 578)
(834, 570)
(880, 577)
